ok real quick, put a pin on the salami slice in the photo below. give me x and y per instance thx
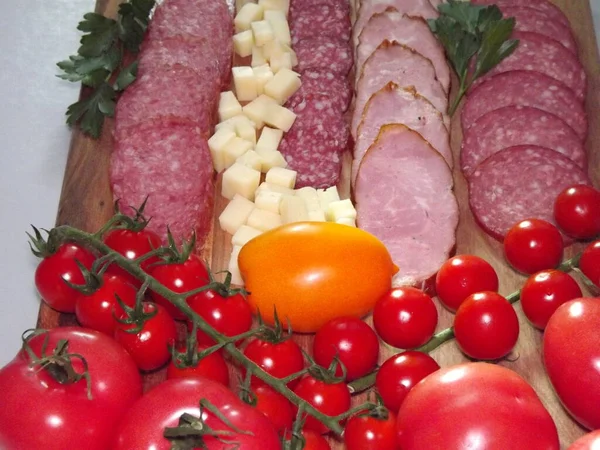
(519, 183)
(314, 145)
(324, 53)
(404, 196)
(525, 88)
(518, 125)
(302, 5)
(323, 82)
(320, 20)
(545, 6)
(539, 53)
(171, 164)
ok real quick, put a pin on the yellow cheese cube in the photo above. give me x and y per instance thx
(347, 221)
(245, 130)
(271, 159)
(234, 149)
(316, 216)
(235, 214)
(283, 61)
(258, 108)
(263, 75)
(272, 49)
(217, 145)
(244, 82)
(279, 117)
(251, 159)
(250, 12)
(264, 186)
(243, 235)
(243, 42)
(239, 179)
(268, 200)
(264, 220)
(280, 25)
(274, 14)
(341, 209)
(240, 3)
(283, 85)
(228, 106)
(311, 198)
(326, 196)
(269, 139)
(281, 177)
(233, 268)
(293, 209)
(281, 5)
(258, 58)
(262, 31)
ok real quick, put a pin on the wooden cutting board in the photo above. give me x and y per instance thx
(86, 202)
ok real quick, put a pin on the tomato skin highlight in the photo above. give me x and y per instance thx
(371, 433)
(275, 407)
(589, 263)
(212, 367)
(461, 276)
(590, 441)
(577, 211)
(277, 359)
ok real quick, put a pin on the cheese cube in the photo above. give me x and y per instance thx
(287, 49)
(293, 209)
(271, 159)
(239, 179)
(264, 186)
(311, 198)
(240, 3)
(217, 145)
(243, 235)
(262, 31)
(263, 220)
(250, 159)
(263, 75)
(280, 25)
(233, 122)
(280, 5)
(273, 15)
(341, 209)
(245, 130)
(258, 109)
(347, 221)
(229, 124)
(281, 177)
(326, 196)
(243, 42)
(233, 268)
(244, 82)
(228, 106)
(235, 214)
(234, 149)
(279, 117)
(272, 49)
(269, 139)
(250, 12)
(258, 58)
(283, 61)
(283, 85)
(268, 200)
(316, 216)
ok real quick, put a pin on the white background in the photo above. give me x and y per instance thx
(34, 35)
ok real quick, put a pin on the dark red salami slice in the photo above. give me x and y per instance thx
(303, 5)
(171, 164)
(525, 88)
(518, 125)
(314, 145)
(320, 20)
(545, 6)
(519, 183)
(324, 53)
(323, 82)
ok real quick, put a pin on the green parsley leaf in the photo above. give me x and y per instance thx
(134, 18)
(126, 76)
(90, 111)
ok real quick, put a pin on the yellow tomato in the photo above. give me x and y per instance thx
(313, 272)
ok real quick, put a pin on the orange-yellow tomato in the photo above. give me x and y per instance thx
(313, 272)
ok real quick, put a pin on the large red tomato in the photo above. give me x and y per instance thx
(39, 412)
(572, 358)
(475, 406)
(161, 407)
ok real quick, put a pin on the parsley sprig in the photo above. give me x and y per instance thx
(476, 39)
(98, 63)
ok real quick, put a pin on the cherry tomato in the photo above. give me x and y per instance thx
(577, 211)
(278, 359)
(590, 441)
(572, 358)
(544, 292)
(589, 263)
(179, 277)
(462, 276)
(533, 245)
(149, 347)
(314, 441)
(352, 341)
(52, 272)
(405, 317)
(475, 406)
(486, 326)
(98, 309)
(329, 398)
(212, 367)
(399, 374)
(276, 407)
(371, 433)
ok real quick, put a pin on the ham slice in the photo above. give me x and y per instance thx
(404, 197)
(394, 104)
(410, 31)
(405, 67)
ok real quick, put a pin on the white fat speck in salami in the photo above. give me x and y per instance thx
(545, 6)
(519, 183)
(320, 20)
(324, 53)
(323, 82)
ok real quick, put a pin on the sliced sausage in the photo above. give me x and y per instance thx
(545, 6)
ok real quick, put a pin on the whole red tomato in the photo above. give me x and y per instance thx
(399, 374)
(486, 326)
(462, 276)
(365, 432)
(572, 358)
(40, 412)
(352, 341)
(405, 317)
(544, 292)
(279, 359)
(98, 309)
(590, 441)
(589, 263)
(212, 366)
(475, 405)
(533, 245)
(148, 341)
(54, 270)
(276, 407)
(577, 211)
(161, 407)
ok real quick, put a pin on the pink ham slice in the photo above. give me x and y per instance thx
(403, 66)
(410, 31)
(404, 197)
(394, 104)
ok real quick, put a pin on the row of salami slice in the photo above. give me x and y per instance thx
(401, 171)
(524, 124)
(163, 119)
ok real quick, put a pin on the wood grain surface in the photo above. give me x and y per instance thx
(86, 203)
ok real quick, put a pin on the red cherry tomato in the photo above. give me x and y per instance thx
(278, 359)
(577, 211)
(399, 374)
(405, 317)
(462, 276)
(533, 245)
(352, 341)
(589, 263)
(179, 277)
(149, 347)
(52, 272)
(544, 292)
(486, 326)
(99, 309)
(590, 441)
(276, 407)
(329, 398)
(314, 441)
(212, 366)
(371, 433)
